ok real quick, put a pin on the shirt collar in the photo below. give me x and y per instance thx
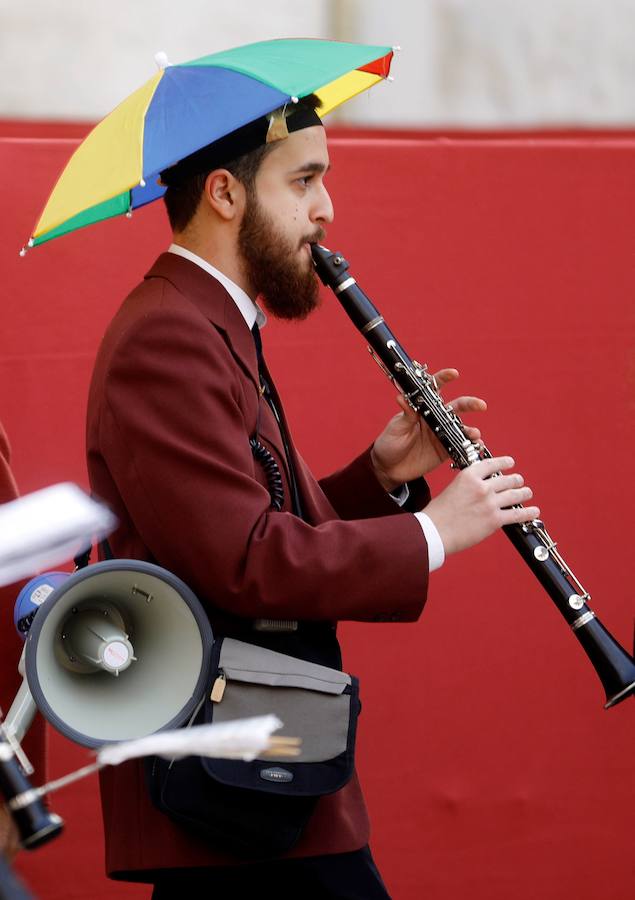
(250, 311)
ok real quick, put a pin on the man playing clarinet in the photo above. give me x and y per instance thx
(180, 400)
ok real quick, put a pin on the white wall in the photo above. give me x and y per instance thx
(504, 62)
(463, 63)
(76, 59)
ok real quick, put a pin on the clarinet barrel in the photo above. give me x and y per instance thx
(614, 666)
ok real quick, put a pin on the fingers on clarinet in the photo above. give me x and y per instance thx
(520, 514)
(514, 496)
(468, 404)
(406, 408)
(507, 482)
(488, 467)
(443, 376)
(528, 513)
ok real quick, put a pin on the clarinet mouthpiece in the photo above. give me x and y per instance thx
(331, 267)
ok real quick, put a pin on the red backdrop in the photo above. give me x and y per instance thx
(490, 768)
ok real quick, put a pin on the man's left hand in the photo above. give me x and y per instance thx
(407, 449)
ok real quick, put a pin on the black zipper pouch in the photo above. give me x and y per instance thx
(260, 808)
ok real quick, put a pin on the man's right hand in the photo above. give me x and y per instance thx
(474, 504)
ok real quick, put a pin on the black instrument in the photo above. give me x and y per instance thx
(35, 824)
(615, 667)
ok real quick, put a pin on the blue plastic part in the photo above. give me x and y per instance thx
(193, 106)
(32, 596)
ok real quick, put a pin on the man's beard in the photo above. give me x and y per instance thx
(273, 266)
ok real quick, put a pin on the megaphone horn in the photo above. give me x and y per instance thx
(117, 651)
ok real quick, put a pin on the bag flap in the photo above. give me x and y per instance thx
(257, 665)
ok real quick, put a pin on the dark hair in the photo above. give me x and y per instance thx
(182, 200)
(183, 194)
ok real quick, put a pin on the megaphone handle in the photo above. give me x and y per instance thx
(20, 716)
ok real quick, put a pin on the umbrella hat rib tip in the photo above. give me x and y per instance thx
(161, 60)
(26, 247)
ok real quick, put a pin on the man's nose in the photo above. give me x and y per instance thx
(323, 210)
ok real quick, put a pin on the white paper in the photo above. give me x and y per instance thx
(47, 528)
(241, 739)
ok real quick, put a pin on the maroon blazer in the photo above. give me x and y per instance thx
(173, 402)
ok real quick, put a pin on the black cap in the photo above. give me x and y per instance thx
(272, 127)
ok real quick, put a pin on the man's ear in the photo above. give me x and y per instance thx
(224, 193)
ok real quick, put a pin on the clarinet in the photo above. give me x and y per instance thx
(35, 824)
(614, 666)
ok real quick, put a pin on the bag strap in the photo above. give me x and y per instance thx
(82, 559)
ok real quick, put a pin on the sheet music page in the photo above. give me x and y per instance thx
(47, 528)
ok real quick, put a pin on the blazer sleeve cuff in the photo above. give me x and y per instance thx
(355, 493)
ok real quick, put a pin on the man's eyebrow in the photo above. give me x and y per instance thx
(311, 167)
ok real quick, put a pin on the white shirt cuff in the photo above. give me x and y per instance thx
(436, 551)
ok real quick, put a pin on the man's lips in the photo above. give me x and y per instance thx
(316, 238)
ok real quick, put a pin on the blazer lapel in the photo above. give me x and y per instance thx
(213, 301)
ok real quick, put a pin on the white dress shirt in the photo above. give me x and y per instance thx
(252, 313)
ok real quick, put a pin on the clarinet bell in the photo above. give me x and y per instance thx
(614, 666)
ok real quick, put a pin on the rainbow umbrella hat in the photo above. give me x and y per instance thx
(185, 107)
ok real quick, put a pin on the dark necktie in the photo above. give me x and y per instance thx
(268, 394)
(255, 333)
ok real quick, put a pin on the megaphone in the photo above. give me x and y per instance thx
(118, 650)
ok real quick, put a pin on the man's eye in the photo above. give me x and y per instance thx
(305, 180)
